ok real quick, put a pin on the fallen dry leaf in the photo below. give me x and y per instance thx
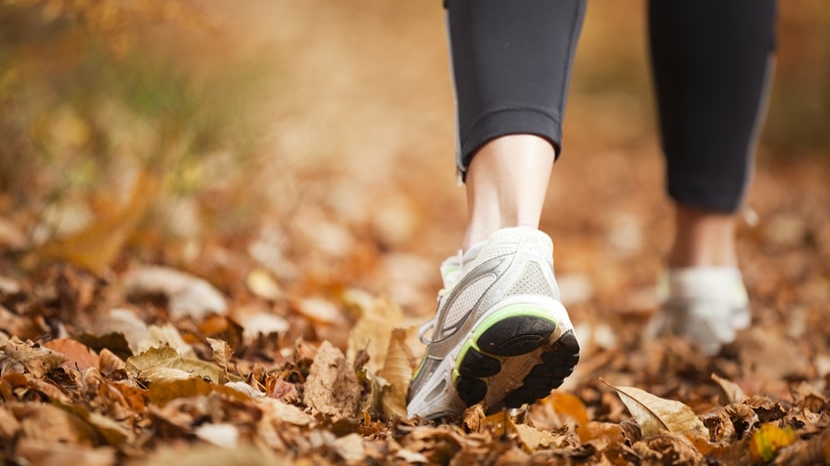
(533, 439)
(187, 295)
(814, 451)
(601, 434)
(36, 451)
(261, 323)
(731, 391)
(222, 353)
(52, 424)
(397, 372)
(262, 284)
(668, 448)
(18, 325)
(164, 390)
(109, 362)
(277, 412)
(165, 336)
(157, 364)
(123, 322)
(37, 359)
(8, 425)
(77, 354)
(350, 448)
(655, 414)
(331, 387)
(11, 235)
(212, 455)
(320, 310)
(373, 331)
(96, 246)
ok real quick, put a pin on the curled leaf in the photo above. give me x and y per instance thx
(654, 414)
(731, 390)
(397, 371)
(38, 360)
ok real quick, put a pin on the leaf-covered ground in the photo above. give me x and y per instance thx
(292, 339)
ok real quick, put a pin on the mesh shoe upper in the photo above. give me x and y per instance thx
(706, 304)
(504, 285)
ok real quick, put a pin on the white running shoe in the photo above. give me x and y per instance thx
(707, 304)
(500, 334)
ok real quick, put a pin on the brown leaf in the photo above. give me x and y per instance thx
(77, 354)
(320, 310)
(261, 283)
(35, 451)
(655, 414)
(373, 331)
(814, 451)
(350, 448)
(11, 235)
(37, 359)
(557, 410)
(600, 434)
(18, 325)
(276, 412)
(222, 353)
(113, 432)
(212, 455)
(164, 391)
(54, 425)
(810, 399)
(332, 387)
(279, 389)
(473, 418)
(166, 335)
(719, 423)
(109, 363)
(157, 364)
(668, 448)
(533, 439)
(187, 295)
(97, 245)
(731, 391)
(24, 386)
(397, 371)
(123, 322)
(502, 422)
(8, 425)
(114, 343)
(260, 323)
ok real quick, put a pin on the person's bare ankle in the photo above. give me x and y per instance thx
(703, 238)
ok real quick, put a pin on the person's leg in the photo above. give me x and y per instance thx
(500, 335)
(506, 185)
(712, 62)
(703, 237)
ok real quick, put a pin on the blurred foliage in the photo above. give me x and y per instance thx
(612, 80)
(799, 116)
(95, 93)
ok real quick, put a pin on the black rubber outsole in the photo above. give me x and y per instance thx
(527, 334)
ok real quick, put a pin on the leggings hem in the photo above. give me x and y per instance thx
(504, 122)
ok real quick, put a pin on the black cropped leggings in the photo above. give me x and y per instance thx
(711, 62)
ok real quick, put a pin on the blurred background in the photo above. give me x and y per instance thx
(315, 140)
